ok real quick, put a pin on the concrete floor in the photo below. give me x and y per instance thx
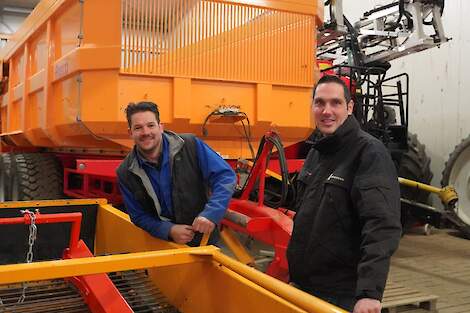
(439, 265)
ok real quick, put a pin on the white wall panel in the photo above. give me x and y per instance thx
(439, 83)
(10, 23)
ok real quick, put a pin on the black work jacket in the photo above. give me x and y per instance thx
(348, 221)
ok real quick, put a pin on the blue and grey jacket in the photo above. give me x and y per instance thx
(194, 181)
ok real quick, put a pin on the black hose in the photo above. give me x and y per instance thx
(284, 174)
(285, 182)
(204, 129)
(258, 153)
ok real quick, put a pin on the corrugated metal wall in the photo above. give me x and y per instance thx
(439, 83)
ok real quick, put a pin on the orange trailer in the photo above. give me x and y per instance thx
(214, 67)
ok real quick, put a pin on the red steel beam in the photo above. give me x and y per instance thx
(268, 225)
(265, 224)
(99, 292)
(74, 218)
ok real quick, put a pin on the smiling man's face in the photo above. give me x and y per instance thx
(146, 132)
(330, 108)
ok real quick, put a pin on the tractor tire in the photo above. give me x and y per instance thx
(457, 174)
(415, 165)
(36, 176)
(5, 177)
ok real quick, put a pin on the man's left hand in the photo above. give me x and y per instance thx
(203, 225)
(367, 305)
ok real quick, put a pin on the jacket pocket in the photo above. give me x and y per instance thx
(327, 257)
(339, 231)
(338, 200)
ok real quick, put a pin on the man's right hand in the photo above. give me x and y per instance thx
(367, 305)
(181, 234)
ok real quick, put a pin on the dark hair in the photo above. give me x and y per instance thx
(327, 79)
(142, 106)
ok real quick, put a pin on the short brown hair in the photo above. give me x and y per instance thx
(142, 106)
(336, 80)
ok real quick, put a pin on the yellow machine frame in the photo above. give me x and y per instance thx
(200, 279)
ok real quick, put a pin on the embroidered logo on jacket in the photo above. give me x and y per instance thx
(331, 177)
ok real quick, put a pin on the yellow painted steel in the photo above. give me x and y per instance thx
(268, 291)
(70, 78)
(232, 242)
(268, 172)
(202, 287)
(286, 291)
(447, 194)
(195, 280)
(101, 264)
(46, 203)
(115, 233)
(204, 240)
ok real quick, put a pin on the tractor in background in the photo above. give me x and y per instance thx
(360, 54)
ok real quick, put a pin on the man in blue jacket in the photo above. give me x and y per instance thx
(174, 186)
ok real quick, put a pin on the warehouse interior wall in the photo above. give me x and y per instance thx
(12, 15)
(439, 104)
(8, 25)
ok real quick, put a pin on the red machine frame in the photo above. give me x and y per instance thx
(98, 290)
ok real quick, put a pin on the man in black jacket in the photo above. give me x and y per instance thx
(348, 221)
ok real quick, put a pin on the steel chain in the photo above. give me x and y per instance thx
(33, 229)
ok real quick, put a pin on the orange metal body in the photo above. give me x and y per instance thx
(74, 66)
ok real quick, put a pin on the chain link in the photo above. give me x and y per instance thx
(33, 230)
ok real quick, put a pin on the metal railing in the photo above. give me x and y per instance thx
(217, 40)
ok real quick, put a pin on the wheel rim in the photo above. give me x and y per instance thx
(460, 178)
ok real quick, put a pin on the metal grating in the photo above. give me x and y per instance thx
(51, 296)
(141, 293)
(217, 40)
(60, 296)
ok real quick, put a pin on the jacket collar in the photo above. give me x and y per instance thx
(175, 144)
(343, 135)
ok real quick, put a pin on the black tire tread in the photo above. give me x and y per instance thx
(415, 165)
(453, 156)
(38, 176)
(5, 167)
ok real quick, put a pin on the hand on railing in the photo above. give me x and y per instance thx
(205, 239)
